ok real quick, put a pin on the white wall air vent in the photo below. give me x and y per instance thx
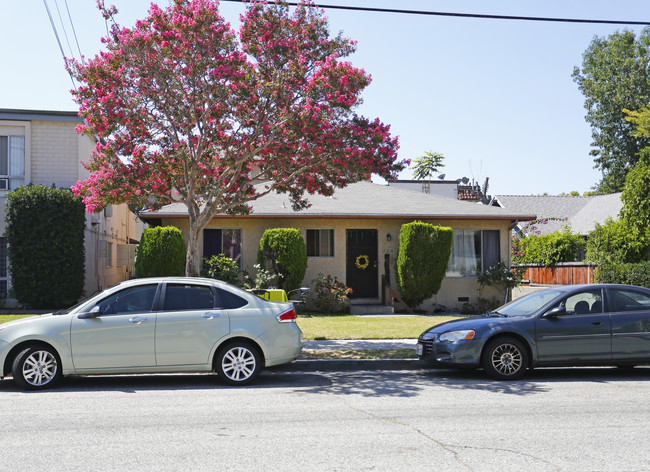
(4, 184)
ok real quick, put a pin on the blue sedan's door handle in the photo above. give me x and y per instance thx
(597, 323)
(209, 316)
(138, 320)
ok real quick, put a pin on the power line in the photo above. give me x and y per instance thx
(471, 15)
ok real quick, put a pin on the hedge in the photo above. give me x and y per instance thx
(161, 252)
(45, 233)
(621, 273)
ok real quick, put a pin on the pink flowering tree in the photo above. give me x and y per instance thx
(182, 103)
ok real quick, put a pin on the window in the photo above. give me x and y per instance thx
(188, 297)
(472, 250)
(12, 162)
(131, 300)
(587, 302)
(223, 241)
(628, 300)
(3, 267)
(320, 242)
(106, 252)
(230, 300)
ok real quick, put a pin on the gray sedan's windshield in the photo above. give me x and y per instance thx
(528, 304)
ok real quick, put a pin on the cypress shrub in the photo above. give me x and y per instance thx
(424, 251)
(161, 252)
(45, 233)
(283, 253)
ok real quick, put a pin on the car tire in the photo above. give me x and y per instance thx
(238, 363)
(36, 367)
(505, 358)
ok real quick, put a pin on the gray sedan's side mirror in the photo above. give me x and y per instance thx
(555, 312)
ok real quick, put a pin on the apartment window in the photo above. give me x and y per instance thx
(320, 242)
(472, 251)
(12, 162)
(3, 268)
(227, 241)
(106, 253)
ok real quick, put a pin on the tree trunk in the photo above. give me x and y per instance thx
(193, 254)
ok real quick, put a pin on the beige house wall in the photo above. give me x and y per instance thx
(453, 292)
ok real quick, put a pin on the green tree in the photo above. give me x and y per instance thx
(616, 242)
(422, 260)
(45, 232)
(614, 76)
(161, 252)
(424, 167)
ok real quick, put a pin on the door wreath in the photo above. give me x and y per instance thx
(362, 262)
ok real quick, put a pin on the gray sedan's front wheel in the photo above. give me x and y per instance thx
(505, 359)
(36, 367)
(238, 363)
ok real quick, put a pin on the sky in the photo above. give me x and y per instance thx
(495, 97)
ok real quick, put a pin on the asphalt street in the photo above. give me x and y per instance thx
(356, 420)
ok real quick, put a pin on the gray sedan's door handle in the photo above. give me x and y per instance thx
(209, 316)
(138, 320)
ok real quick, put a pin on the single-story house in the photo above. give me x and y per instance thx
(364, 219)
(557, 211)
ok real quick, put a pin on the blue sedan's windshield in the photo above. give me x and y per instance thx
(528, 304)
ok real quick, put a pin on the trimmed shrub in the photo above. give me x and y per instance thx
(422, 261)
(283, 253)
(161, 252)
(631, 274)
(45, 233)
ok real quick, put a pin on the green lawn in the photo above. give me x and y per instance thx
(367, 327)
(351, 327)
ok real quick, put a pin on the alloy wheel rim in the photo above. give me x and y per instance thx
(40, 368)
(507, 359)
(238, 364)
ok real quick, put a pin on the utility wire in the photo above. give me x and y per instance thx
(49, 14)
(74, 31)
(469, 15)
(65, 33)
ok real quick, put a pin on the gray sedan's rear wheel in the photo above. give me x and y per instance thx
(36, 367)
(505, 359)
(238, 363)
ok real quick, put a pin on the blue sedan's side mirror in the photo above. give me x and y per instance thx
(555, 312)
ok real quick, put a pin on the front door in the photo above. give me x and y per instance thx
(361, 264)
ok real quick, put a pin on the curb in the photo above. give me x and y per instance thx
(346, 365)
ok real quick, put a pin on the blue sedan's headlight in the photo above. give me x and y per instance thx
(453, 336)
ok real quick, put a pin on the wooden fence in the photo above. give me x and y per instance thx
(568, 273)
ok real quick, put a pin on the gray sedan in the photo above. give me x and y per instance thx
(563, 326)
(153, 325)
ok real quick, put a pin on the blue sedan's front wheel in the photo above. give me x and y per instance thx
(505, 358)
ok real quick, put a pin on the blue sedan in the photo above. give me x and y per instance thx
(575, 325)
